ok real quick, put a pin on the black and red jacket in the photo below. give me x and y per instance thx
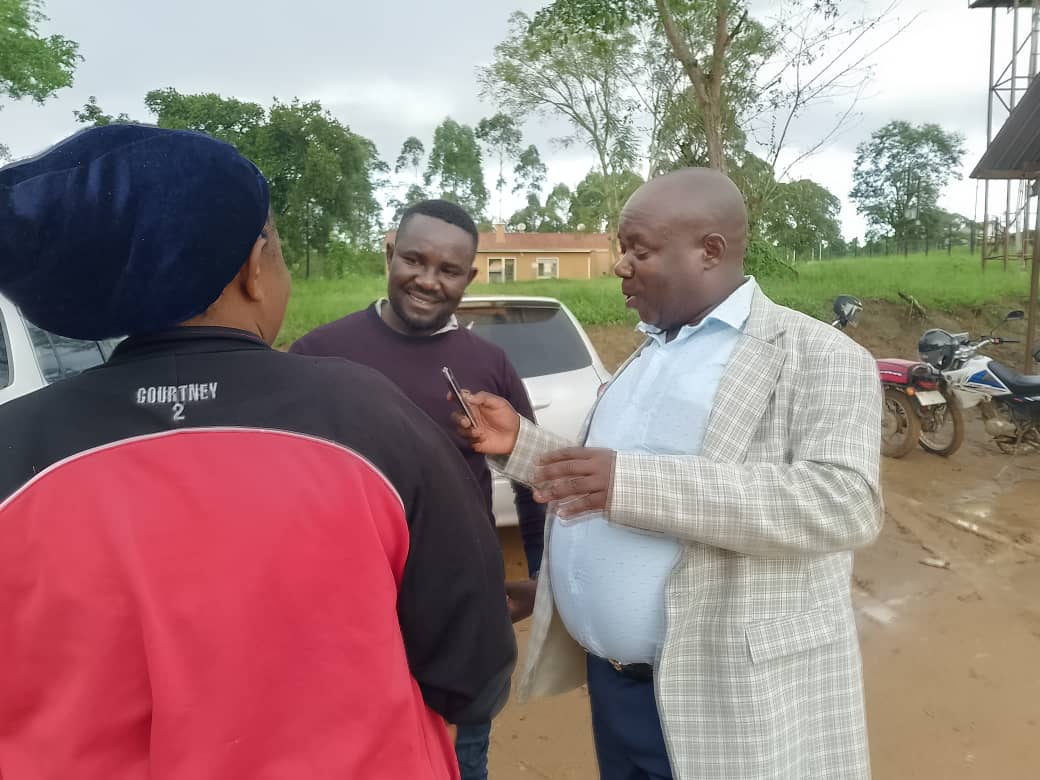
(221, 561)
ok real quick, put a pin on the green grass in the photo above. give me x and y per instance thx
(938, 281)
(317, 301)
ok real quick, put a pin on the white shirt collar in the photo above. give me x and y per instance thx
(733, 311)
(452, 324)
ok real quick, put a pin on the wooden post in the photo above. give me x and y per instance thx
(1034, 284)
(1007, 228)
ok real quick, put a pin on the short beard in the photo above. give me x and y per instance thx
(411, 323)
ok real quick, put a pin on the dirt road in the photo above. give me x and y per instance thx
(951, 655)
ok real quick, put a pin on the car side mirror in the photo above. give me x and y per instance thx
(1017, 314)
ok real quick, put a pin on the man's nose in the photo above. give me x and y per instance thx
(427, 279)
(622, 268)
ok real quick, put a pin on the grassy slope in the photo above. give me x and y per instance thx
(937, 281)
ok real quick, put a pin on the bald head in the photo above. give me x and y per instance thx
(682, 238)
(698, 202)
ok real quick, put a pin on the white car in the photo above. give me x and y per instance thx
(31, 358)
(554, 357)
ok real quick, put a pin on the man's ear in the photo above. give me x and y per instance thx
(472, 273)
(389, 254)
(714, 249)
(251, 277)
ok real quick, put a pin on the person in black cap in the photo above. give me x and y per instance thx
(216, 560)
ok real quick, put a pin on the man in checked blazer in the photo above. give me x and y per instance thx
(698, 558)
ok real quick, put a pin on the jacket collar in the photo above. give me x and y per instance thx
(764, 322)
(186, 340)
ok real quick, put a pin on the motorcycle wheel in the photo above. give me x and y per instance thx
(900, 425)
(942, 433)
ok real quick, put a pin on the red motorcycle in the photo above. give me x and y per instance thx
(914, 402)
(915, 408)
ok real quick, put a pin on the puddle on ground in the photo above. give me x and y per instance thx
(1010, 504)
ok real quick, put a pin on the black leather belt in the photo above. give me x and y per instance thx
(639, 672)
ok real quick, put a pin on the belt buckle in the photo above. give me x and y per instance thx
(618, 666)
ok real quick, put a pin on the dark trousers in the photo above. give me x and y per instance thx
(626, 726)
(471, 749)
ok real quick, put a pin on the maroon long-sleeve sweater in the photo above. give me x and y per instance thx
(414, 364)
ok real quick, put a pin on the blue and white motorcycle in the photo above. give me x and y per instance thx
(1009, 401)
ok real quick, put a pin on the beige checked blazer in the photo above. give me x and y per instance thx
(760, 674)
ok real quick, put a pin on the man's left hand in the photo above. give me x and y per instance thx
(577, 478)
(520, 596)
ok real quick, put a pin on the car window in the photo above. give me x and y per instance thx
(108, 346)
(539, 339)
(5, 360)
(60, 357)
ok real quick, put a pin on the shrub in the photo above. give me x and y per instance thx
(763, 260)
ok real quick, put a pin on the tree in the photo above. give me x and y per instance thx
(32, 66)
(92, 114)
(592, 204)
(953, 230)
(677, 19)
(530, 171)
(414, 194)
(802, 215)
(323, 177)
(411, 156)
(745, 73)
(552, 217)
(578, 75)
(899, 175)
(456, 168)
(706, 69)
(229, 119)
(679, 138)
(501, 138)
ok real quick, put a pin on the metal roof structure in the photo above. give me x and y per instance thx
(1002, 4)
(1015, 151)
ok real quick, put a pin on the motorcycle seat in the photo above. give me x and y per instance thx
(1019, 384)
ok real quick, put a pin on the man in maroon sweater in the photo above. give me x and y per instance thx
(409, 337)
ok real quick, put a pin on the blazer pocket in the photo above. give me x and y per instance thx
(791, 634)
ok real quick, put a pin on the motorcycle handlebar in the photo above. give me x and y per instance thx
(970, 348)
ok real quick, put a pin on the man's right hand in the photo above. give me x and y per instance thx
(498, 424)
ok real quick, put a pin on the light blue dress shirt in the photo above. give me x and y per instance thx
(608, 580)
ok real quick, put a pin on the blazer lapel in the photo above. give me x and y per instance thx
(747, 385)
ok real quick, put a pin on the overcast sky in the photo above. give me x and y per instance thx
(397, 68)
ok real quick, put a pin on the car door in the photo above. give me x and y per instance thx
(19, 372)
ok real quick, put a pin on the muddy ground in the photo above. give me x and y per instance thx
(951, 655)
